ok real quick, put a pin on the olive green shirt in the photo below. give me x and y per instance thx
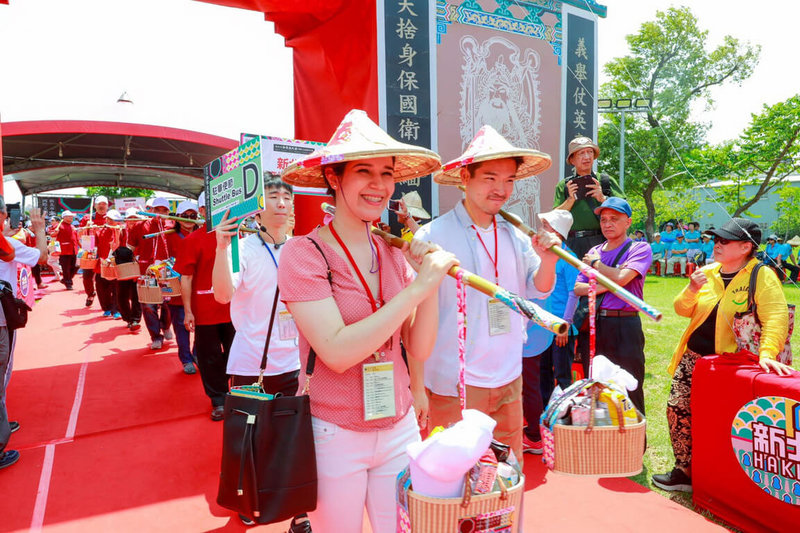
(583, 210)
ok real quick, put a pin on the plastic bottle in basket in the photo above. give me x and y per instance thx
(601, 417)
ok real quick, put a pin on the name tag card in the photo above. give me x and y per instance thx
(378, 380)
(499, 317)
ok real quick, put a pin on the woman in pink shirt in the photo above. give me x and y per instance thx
(360, 399)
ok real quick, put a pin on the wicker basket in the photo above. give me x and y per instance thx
(170, 287)
(475, 513)
(88, 263)
(148, 295)
(128, 271)
(108, 270)
(604, 451)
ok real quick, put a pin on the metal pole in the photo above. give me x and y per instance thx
(622, 152)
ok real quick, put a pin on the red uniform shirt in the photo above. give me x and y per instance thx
(105, 239)
(196, 259)
(174, 244)
(67, 238)
(150, 249)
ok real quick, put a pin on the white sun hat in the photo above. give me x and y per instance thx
(560, 219)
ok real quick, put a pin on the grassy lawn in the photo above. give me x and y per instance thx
(661, 339)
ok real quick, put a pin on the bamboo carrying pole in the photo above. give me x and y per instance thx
(170, 217)
(603, 280)
(524, 307)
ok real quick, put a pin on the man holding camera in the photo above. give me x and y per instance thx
(582, 192)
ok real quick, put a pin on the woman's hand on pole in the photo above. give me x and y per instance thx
(435, 266)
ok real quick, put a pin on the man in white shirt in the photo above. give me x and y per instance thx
(489, 246)
(251, 293)
(8, 273)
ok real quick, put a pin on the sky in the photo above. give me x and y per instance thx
(218, 70)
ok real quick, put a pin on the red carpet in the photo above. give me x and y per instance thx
(115, 437)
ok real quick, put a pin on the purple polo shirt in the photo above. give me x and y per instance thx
(638, 257)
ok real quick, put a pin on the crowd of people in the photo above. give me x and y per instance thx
(342, 303)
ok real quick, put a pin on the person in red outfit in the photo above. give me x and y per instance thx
(127, 297)
(67, 239)
(209, 320)
(92, 227)
(175, 244)
(156, 317)
(107, 238)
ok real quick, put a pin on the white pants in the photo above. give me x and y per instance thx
(355, 468)
(672, 260)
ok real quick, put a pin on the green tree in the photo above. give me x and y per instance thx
(764, 155)
(118, 192)
(788, 207)
(669, 64)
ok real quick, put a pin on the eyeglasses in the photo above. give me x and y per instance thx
(720, 240)
(192, 216)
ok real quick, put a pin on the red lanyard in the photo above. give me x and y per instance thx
(372, 301)
(493, 260)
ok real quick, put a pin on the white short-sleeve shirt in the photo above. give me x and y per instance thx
(255, 285)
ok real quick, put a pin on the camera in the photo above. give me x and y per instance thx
(394, 205)
(583, 183)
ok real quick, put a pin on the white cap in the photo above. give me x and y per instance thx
(132, 212)
(101, 200)
(201, 200)
(160, 202)
(149, 202)
(67, 213)
(186, 205)
(114, 215)
(560, 219)
(656, 234)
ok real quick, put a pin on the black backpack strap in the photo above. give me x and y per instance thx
(312, 356)
(269, 334)
(751, 290)
(605, 184)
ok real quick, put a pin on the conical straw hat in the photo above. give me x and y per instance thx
(794, 241)
(414, 205)
(357, 137)
(489, 145)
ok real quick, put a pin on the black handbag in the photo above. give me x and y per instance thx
(269, 466)
(14, 309)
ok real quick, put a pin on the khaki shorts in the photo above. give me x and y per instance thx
(503, 404)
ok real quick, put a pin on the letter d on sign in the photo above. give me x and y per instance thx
(251, 185)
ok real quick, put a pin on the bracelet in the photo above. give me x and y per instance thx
(593, 262)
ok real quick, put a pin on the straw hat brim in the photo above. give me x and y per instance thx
(533, 162)
(794, 241)
(418, 212)
(409, 164)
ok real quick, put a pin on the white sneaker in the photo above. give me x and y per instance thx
(168, 336)
(156, 344)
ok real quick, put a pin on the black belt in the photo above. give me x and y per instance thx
(584, 233)
(612, 312)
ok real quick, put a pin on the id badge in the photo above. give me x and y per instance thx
(286, 326)
(499, 317)
(378, 380)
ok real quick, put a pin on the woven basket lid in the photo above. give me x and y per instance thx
(487, 146)
(357, 137)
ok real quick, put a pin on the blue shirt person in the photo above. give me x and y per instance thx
(707, 248)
